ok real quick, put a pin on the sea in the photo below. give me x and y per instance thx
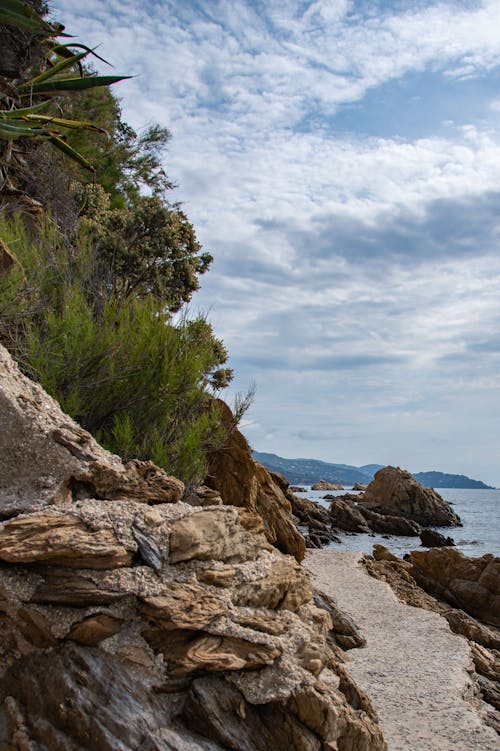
(479, 511)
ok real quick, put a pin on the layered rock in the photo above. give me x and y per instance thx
(472, 584)
(241, 481)
(132, 620)
(394, 492)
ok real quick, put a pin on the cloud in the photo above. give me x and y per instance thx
(342, 163)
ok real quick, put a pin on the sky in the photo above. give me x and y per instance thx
(341, 162)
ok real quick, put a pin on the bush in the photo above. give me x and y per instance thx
(139, 380)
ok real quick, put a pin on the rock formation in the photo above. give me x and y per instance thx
(432, 539)
(472, 584)
(132, 620)
(410, 586)
(394, 492)
(241, 481)
(324, 485)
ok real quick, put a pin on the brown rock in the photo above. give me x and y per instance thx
(471, 584)
(241, 481)
(217, 577)
(359, 486)
(286, 585)
(57, 538)
(325, 485)
(211, 653)
(345, 515)
(432, 539)
(94, 629)
(216, 534)
(394, 491)
(74, 589)
(184, 606)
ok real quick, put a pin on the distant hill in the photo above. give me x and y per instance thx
(307, 471)
(442, 480)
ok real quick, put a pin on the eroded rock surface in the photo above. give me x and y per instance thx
(241, 481)
(393, 491)
(167, 627)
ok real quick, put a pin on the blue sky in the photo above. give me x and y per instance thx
(341, 161)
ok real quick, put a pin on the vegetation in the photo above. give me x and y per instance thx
(91, 308)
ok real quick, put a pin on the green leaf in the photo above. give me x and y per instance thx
(57, 68)
(69, 84)
(9, 132)
(21, 16)
(16, 114)
(60, 144)
(63, 123)
(64, 50)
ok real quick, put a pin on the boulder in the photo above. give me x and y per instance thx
(324, 485)
(359, 486)
(472, 584)
(241, 481)
(395, 492)
(345, 515)
(432, 539)
(157, 627)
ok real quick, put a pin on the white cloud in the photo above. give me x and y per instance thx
(356, 277)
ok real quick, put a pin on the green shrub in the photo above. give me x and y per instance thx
(130, 374)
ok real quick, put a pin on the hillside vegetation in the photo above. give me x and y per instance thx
(94, 306)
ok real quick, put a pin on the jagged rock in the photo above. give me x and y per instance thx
(395, 492)
(343, 631)
(241, 481)
(432, 539)
(390, 524)
(472, 584)
(324, 485)
(314, 517)
(48, 459)
(297, 489)
(346, 516)
(118, 618)
(359, 486)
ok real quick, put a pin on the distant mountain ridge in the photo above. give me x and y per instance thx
(307, 471)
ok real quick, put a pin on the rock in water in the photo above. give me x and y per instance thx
(130, 626)
(432, 539)
(395, 492)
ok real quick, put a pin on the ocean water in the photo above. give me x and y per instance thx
(479, 511)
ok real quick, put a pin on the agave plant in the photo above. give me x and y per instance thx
(24, 101)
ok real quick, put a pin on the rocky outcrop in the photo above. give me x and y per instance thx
(142, 622)
(432, 539)
(395, 492)
(405, 579)
(472, 584)
(359, 486)
(324, 485)
(243, 482)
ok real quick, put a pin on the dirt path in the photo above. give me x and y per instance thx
(413, 667)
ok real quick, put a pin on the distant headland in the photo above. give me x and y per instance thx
(307, 471)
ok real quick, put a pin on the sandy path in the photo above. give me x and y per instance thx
(413, 667)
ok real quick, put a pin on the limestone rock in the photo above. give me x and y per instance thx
(395, 492)
(241, 481)
(472, 584)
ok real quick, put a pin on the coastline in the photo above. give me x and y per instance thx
(413, 668)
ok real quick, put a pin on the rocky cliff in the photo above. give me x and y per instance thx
(133, 620)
